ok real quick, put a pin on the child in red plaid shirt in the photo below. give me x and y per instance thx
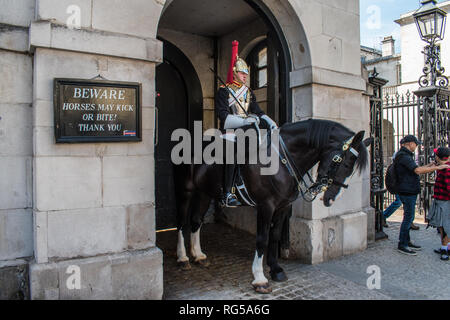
(439, 215)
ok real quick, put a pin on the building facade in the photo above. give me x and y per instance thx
(386, 62)
(92, 208)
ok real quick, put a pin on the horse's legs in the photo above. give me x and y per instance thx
(182, 223)
(276, 272)
(264, 218)
(285, 237)
(199, 208)
(181, 250)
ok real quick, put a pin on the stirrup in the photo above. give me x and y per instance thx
(231, 201)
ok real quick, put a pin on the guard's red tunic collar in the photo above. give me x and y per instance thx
(236, 83)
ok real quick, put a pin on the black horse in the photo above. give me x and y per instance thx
(337, 149)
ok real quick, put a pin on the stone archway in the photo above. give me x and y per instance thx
(277, 18)
(323, 80)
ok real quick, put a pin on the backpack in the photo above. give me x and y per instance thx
(391, 179)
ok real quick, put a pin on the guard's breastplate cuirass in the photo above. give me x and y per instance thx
(243, 95)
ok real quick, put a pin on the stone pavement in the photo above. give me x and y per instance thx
(231, 253)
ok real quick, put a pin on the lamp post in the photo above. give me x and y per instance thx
(430, 21)
(434, 111)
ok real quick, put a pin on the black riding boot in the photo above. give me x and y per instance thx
(230, 198)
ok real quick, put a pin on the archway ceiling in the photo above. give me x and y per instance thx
(207, 17)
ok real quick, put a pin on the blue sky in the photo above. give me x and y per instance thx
(377, 20)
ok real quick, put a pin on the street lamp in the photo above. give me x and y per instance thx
(430, 21)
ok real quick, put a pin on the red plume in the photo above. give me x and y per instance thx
(234, 53)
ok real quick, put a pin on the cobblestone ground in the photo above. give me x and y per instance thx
(231, 253)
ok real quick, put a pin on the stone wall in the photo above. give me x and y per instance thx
(97, 199)
(16, 148)
(331, 88)
(90, 202)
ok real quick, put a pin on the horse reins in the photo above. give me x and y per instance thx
(310, 193)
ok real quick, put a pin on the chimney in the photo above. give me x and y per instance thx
(388, 48)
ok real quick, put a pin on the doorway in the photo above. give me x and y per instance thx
(178, 105)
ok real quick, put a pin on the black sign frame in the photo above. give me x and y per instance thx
(59, 83)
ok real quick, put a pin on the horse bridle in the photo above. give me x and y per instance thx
(330, 178)
(323, 182)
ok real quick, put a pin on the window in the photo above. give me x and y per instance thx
(257, 62)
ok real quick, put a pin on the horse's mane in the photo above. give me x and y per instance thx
(319, 132)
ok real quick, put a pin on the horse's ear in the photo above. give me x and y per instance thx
(368, 141)
(358, 138)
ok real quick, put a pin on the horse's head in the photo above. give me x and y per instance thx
(338, 162)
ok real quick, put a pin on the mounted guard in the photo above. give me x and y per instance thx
(236, 107)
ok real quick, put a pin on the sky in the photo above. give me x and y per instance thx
(377, 20)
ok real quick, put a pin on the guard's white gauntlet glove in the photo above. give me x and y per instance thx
(250, 120)
(254, 116)
(232, 122)
(270, 122)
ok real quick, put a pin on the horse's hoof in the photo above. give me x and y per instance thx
(203, 263)
(279, 276)
(284, 253)
(263, 288)
(184, 265)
